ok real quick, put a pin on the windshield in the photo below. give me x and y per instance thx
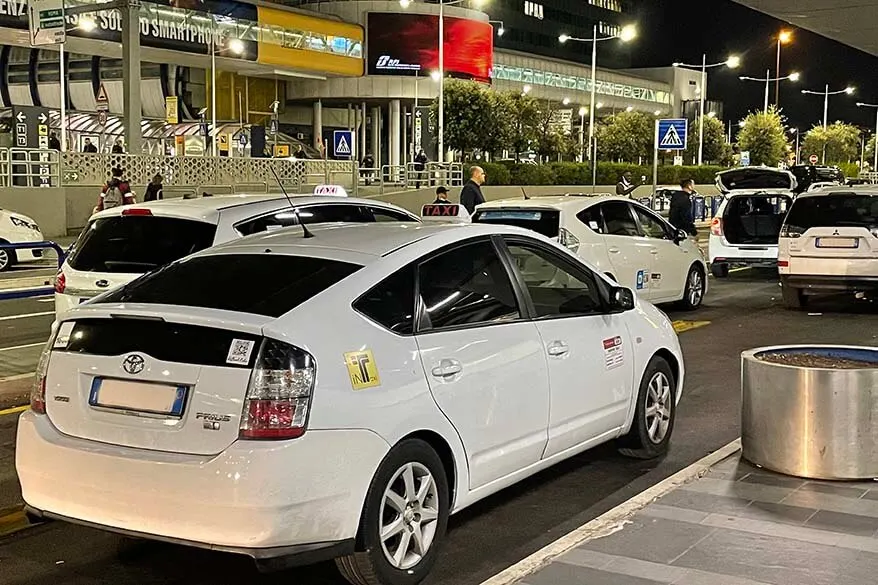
(833, 211)
(543, 221)
(139, 243)
(263, 284)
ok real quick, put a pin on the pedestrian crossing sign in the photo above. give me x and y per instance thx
(342, 143)
(672, 134)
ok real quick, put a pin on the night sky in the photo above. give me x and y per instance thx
(683, 30)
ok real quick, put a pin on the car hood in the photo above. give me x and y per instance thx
(755, 178)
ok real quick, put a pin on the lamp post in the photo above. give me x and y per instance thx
(236, 46)
(628, 33)
(768, 79)
(783, 38)
(732, 62)
(798, 134)
(582, 111)
(826, 93)
(874, 107)
(501, 30)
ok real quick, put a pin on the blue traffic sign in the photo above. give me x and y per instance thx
(342, 143)
(672, 134)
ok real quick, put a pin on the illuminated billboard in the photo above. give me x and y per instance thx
(407, 44)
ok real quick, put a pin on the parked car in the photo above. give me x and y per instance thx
(122, 243)
(299, 399)
(808, 175)
(627, 241)
(747, 223)
(16, 228)
(829, 244)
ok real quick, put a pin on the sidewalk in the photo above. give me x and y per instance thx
(736, 525)
(15, 390)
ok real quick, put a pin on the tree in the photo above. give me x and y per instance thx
(841, 142)
(525, 122)
(717, 150)
(626, 136)
(551, 141)
(498, 124)
(764, 136)
(870, 152)
(467, 105)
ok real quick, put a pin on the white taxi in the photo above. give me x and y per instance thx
(627, 241)
(16, 228)
(459, 360)
(120, 244)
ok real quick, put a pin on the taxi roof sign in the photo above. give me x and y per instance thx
(445, 212)
(330, 190)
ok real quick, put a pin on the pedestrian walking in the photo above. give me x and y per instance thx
(116, 192)
(680, 212)
(54, 143)
(420, 167)
(154, 189)
(471, 194)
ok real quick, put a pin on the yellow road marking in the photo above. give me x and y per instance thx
(741, 269)
(14, 410)
(13, 522)
(683, 326)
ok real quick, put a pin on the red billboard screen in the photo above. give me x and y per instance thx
(407, 44)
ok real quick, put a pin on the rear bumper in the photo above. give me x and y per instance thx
(264, 499)
(730, 260)
(720, 251)
(830, 283)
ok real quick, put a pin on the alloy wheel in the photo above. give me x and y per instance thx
(658, 408)
(409, 515)
(696, 288)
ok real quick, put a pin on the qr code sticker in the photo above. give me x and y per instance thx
(239, 352)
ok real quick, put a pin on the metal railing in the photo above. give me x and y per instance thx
(37, 291)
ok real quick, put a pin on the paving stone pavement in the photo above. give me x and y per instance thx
(736, 525)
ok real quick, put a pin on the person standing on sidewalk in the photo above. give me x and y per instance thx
(680, 211)
(471, 194)
(625, 186)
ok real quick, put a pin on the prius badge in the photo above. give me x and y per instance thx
(133, 364)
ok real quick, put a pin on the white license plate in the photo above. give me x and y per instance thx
(838, 242)
(137, 396)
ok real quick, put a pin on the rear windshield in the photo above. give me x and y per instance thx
(832, 211)
(758, 205)
(264, 284)
(544, 221)
(138, 243)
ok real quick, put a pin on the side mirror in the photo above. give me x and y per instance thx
(680, 236)
(622, 299)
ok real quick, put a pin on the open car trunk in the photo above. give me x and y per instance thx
(755, 219)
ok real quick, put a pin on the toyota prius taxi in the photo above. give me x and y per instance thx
(337, 392)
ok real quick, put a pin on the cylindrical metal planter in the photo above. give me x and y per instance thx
(810, 422)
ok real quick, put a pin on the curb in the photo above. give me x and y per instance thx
(15, 390)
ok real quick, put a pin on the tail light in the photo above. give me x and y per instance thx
(38, 390)
(783, 263)
(136, 211)
(788, 231)
(60, 282)
(568, 240)
(279, 394)
(716, 226)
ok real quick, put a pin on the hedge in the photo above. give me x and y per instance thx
(568, 173)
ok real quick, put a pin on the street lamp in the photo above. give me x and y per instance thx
(826, 93)
(582, 112)
(566, 101)
(501, 30)
(235, 46)
(628, 33)
(441, 116)
(798, 134)
(768, 79)
(783, 38)
(732, 63)
(874, 107)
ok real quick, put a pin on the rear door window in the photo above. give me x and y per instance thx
(619, 219)
(138, 243)
(262, 284)
(381, 214)
(593, 219)
(543, 221)
(833, 211)
(392, 302)
(335, 213)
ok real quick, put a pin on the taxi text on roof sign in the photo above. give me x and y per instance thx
(330, 190)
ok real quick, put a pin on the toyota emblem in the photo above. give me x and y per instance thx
(133, 364)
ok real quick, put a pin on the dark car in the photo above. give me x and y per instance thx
(807, 175)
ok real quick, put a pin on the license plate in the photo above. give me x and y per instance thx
(838, 242)
(134, 396)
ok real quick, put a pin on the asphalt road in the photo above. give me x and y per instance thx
(744, 311)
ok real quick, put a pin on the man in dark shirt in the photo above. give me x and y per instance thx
(680, 212)
(441, 196)
(471, 194)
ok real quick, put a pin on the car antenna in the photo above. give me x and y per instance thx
(523, 192)
(306, 232)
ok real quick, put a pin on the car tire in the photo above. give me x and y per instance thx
(793, 298)
(395, 560)
(720, 270)
(657, 391)
(7, 257)
(693, 292)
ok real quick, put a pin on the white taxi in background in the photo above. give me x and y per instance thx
(16, 228)
(120, 244)
(460, 359)
(627, 241)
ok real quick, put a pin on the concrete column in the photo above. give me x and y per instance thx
(405, 136)
(363, 129)
(394, 143)
(131, 108)
(317, 123)
(376, 136)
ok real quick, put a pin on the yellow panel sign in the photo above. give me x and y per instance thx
(683, 326)
(171, 109)
(362, 369)
(282, 151)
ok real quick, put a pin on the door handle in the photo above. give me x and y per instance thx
(447, 368)
(653, 251)
(558, 348)
(613, 250)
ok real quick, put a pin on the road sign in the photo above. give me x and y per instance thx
(417, 130)
(672, 134)
(678, 161)
(31, 124)
(282, 151)
(171, 109)
(342, 143)
(102, 102)
(203, 129)
(745, 158)
(813, 159)
(102, 118)
(46, 22)
(272, 126)
(242, 140)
